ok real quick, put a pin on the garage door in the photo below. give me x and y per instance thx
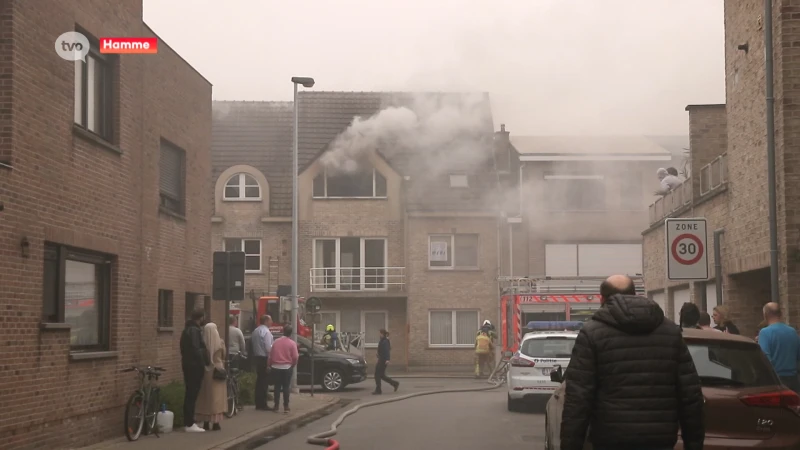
(711, 298)
(679, 297)
(602, 260)
(561, 260)
(661, 299)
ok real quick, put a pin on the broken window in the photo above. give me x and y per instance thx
(370, 183)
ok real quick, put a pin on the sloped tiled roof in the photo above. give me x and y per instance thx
(258, 134)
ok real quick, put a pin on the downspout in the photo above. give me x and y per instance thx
(718, 264)
(404, 202)
(771, 182)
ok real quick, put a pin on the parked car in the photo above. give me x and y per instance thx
(333, 370)
(529, 375)
(745, 404)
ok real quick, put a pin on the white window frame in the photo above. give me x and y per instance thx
(337, 322)
(454, 337)
(453, 265)
(385, 313)
(374, 194)
(260, 252)
(459, 180)
(242, 185)
(362, 250)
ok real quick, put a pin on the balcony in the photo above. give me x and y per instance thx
(712, 176)
(358, 279)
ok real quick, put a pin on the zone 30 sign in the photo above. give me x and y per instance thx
(687, 253)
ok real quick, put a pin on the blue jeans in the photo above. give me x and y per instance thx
(283, 383)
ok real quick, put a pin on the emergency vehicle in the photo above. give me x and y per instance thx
(525, 300)
(279, 308)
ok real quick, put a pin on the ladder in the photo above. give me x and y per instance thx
(557, 285)
(273, 272)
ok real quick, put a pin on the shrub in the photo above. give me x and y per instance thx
(247, 388)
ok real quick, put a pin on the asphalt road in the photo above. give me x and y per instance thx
(462, 421)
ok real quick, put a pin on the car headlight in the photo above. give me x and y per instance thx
(352, 361)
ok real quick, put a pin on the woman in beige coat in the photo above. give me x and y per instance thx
(212, 400)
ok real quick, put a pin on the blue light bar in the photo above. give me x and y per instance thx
(555, 325)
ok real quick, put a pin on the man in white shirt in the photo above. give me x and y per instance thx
(668, 181)
(262, 345)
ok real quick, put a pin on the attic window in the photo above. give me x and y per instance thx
(363, 184)
(459, 181)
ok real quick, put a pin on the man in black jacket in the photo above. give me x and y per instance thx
(194, 359)
(384, 355)
(631, 381)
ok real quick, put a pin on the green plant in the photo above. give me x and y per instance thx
(247, 388)
(172, 394)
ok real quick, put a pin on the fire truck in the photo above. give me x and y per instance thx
(279, 308)
(524, 300)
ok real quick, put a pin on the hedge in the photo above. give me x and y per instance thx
(172, 394)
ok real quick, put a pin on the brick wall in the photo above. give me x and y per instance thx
(708, 137)
(6, 48)
(73, 190)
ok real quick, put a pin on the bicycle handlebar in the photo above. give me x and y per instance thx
(148, 369)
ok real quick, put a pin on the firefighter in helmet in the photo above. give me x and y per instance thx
(330, 340)
(487, 328)
(484, 349)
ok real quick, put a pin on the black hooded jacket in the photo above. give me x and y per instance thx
(193, 350)
(631, 381)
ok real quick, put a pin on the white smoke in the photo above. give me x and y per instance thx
(431, 132)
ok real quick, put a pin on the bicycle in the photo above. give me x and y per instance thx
(498, 375)
(143, 405)
(234, 405)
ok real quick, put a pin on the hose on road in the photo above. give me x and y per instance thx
(323, 438)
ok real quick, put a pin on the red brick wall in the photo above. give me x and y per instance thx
(74, 191)
(6, 48)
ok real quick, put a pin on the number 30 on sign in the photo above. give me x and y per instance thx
(687, 253)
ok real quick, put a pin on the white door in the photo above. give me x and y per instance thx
(602, 260)
(661, 299)
(679, 297)
(561, 260)
(711, 298)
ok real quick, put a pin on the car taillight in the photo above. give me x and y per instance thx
(521, 362)
(780, 399)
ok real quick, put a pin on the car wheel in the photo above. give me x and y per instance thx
(513, 405)
(332, 380)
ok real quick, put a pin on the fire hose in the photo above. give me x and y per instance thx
(323, 439)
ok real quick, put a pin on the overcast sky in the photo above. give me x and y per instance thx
(551, 66)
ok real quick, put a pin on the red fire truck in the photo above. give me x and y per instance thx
(526, 300)
(279, 309)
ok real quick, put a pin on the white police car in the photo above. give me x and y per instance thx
(529, 372)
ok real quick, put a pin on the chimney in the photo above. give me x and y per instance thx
(502, 149)
(503, 127)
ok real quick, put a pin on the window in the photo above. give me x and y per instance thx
(251, 249)
(327, 318)
(362, 184)
(549, 347)
(731, 364)
(93, 92)
(242, 186)
(172, 168)
(576, 192)
(165, 308)
(77, 291)
(349, 264)
(371, 323)
(452, 328)
(631, 193)
(453, 251)
(459, 181)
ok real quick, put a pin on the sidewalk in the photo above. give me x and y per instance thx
(242, 431)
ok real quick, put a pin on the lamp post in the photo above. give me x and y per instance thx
(306, 82)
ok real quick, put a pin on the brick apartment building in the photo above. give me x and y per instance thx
(366, 237)
(105, 227)
(579, 213)
(728, 184)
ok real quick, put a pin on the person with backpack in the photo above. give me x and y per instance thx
(194, 360)
(483, 353)
(330, 340)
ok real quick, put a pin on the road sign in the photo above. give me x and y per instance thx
(313, 304)
(687, 253)
(228, 276)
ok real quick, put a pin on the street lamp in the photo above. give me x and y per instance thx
(306, 82)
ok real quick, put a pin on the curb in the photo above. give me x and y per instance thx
(466, 376)
(248, 440)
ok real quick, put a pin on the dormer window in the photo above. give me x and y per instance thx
(459, 181)
(363, 184)
(242, 187)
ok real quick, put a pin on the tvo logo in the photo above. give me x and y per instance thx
(72, 46)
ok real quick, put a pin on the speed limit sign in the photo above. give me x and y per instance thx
(687, 253)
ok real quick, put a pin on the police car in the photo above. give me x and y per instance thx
(548, 345)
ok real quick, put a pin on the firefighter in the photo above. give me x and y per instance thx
(330, 340)
(484, 349)
(487, 328)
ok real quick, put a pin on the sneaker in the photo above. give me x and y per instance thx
(286, 410)
(195, 429)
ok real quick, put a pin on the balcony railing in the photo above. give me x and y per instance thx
(357, 279)
(713, 174)
(666, 205)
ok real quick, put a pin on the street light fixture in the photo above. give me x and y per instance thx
(306, 82)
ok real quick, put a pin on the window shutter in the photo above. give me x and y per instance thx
(171, 165)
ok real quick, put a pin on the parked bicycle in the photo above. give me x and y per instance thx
(499, 373)
(141, 412)
(234, 405)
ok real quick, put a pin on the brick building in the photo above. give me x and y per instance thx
(729, 178)
(366, 238)
(105, 227)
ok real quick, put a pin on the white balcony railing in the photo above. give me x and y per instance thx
(666, 205)
(357, 279)
(713, 174)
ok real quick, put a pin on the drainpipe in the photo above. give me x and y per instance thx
(771, 188)
(404, 203)
(718, 264)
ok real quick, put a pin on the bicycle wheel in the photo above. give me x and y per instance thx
(151, 418)
(232, 391)
(134, 416)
